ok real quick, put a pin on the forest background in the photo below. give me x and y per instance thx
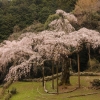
(15, 15)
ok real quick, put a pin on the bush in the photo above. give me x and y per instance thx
(94, 65)
(96, 83)
(13, 91)
(10, 93)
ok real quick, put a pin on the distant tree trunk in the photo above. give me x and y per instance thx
(65, 80)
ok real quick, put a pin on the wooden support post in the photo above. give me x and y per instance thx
(32, 64)
(52, 75)
(89, 56)
(57, 77)
(43, 74)
(78, 69)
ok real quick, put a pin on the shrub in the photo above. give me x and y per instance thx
(10, 93)
(13, 91)
(94, 65)
(96, 83)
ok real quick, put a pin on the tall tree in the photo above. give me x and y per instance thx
(87, 11)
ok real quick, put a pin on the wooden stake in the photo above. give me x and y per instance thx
(78, 69)
(89, 56)
(52, 75)
(43, 74)
(57, 77)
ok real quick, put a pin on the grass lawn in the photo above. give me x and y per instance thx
(0, 90)
(34, 90)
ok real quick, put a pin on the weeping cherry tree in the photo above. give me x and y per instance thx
(16, 56)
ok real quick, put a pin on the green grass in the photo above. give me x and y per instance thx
(34, 90)
(0, 90)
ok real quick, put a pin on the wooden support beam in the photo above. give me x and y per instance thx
(89, 56)
(52, 75)
(78, 61)
(57, 77)
(43, 75)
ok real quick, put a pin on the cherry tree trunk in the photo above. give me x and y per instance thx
(65, 80)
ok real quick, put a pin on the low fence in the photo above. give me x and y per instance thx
(48, 78)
